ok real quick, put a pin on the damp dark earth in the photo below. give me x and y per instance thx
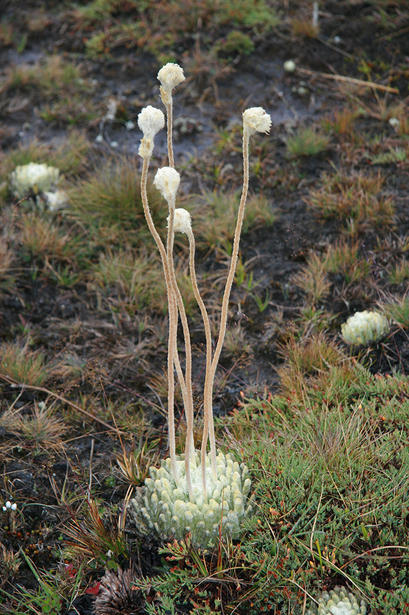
(314, 405)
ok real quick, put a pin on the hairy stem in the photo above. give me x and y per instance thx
(208, 335)
(169, 116)
(172, 353)
(188, 402)
(210, 375)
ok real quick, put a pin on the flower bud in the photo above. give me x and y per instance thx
(150, 121)
(167, 181)
(182, 222)
(255, 120)
(169, 76)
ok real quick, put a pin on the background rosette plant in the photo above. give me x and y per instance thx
(365, 328)
(339, 601)
(33, 177)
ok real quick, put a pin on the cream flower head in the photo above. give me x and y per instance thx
(182, 222)
(150, 121)
(255, 120)
(170, 76)
(167, 181)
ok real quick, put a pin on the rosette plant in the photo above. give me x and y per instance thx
(339, 601)
(365, 328)
(201, 492)
(33, 177)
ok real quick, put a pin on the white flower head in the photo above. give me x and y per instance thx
(150, 121)
(170, 76)
(182, 222)
(255, 120)
(167, 181)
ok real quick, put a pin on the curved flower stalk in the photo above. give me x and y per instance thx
(150, 121)
(339, 601)
(171, 75)
(183, 224)
(255, 120)
(167, 181)
(364, 328)
(196, 492)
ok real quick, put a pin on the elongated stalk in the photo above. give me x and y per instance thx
(169, 116)
(172, 354)
(208, 335)
(188, 374)
(189, 446)
(210, 374)
(188, 358)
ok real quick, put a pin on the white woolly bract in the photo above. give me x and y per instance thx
(164, 504)
(150, 121)
(182, 222)
(167, 181)
(338, 601)
(33, 176)
(364, 328)
(255, 120)
(170, 75)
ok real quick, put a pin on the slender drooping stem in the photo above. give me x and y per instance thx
(210, 374)
(208, 335)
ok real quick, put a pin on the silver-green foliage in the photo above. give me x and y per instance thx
(339, 602)
(165, 505)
